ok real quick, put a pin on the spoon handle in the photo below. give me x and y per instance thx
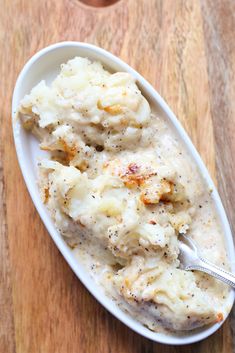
(213, 270)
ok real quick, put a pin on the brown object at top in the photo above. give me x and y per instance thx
(98, 3)
(186, 50)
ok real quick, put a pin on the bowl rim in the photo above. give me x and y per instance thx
(66, 252)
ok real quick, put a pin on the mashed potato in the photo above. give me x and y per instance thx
(121, 189)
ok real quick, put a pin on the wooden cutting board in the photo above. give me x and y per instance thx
(186, 49)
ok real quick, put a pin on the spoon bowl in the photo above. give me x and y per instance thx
(45, 65)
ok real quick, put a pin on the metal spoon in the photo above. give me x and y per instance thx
(190, 259)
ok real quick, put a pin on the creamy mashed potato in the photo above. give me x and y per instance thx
(121, 189)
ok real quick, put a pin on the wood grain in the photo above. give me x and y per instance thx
(186, 50)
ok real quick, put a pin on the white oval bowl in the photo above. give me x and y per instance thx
(46, 65)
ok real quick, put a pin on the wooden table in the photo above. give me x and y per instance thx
(186, 49)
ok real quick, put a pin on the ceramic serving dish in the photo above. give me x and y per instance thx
(45, 65)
